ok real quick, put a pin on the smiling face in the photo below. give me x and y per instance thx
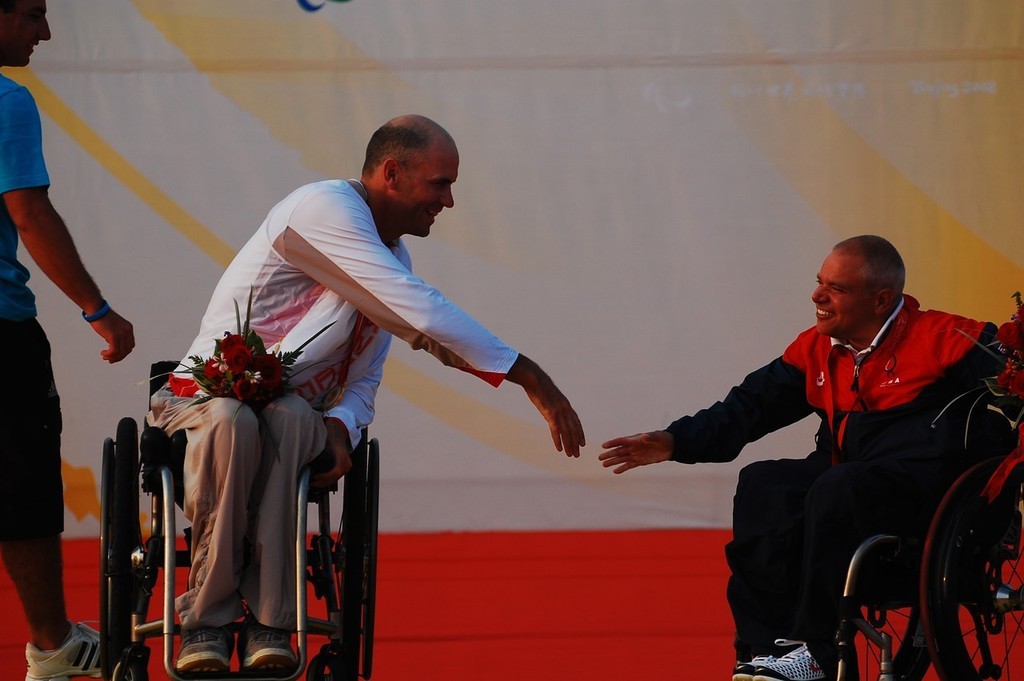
(422, 186)
(848, 306)
(21, 30)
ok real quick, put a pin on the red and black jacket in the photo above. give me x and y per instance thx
(911, 397)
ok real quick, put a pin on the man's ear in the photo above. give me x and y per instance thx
(885, 301)
(391, 171)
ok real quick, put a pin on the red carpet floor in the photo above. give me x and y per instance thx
(560, 606)
(497, 606)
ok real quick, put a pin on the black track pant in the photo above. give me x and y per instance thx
(797, 523)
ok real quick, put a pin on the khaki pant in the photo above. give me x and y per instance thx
(241, 470)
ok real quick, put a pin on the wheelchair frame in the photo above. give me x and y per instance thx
(966, 615)
(130, 565)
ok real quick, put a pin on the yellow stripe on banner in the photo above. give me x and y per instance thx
(295, 73)
(119, 167)
(857, 186)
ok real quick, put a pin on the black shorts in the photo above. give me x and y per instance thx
(31, 490)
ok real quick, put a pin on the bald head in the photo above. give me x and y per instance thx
(401, 138)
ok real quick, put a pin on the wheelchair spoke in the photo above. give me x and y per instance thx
(886, 616)
(971, 577)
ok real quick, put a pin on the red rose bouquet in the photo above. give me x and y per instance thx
(243, 368)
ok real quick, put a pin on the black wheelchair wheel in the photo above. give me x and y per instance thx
(106, 500)
(358, 547)
(885, 599)
(372, 527)
(119, 535)
(910, 661)
(972, 582)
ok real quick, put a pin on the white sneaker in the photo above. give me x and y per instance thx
(79, 655)
(796, 665)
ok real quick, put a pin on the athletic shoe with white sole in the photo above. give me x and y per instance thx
(796, 665)
(744, 671)
(79, 655)
(263, 647)
(205, 650)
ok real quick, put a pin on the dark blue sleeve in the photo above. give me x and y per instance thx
(768, 399)
(978, 363)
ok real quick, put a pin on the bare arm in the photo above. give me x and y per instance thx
(48, 241)
(564, 424)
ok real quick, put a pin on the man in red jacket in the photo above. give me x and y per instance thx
(878, 372)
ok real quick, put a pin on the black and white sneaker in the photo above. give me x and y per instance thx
(79, 655)
(744, 671)
(796, 665)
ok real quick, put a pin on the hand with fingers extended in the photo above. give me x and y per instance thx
(627, 453)
(563, 422)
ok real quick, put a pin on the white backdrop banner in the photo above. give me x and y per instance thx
(647, 190)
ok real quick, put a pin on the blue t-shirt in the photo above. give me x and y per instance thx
(21, 167)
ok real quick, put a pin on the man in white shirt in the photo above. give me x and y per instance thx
(328, 256)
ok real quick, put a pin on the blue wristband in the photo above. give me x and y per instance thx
(98, 314)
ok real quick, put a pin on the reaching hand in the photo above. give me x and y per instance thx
(563, 422)
(637, 450)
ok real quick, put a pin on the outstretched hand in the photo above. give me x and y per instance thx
(636, 450)
(563, 422)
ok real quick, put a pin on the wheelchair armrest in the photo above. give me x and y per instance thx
(157, 449)
(154, 451)
(158, 373)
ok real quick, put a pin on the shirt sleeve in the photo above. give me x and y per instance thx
(331, 236)
(768, 399)
(21, 147)
(356, 407)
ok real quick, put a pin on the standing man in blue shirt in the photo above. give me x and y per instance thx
(31, 491)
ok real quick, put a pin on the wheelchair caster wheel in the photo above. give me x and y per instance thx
(133, 666)
(327, 665)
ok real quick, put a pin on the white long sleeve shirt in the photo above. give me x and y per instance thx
(317, 260)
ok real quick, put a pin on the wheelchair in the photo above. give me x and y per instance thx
(339, 568)
(954, 601)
